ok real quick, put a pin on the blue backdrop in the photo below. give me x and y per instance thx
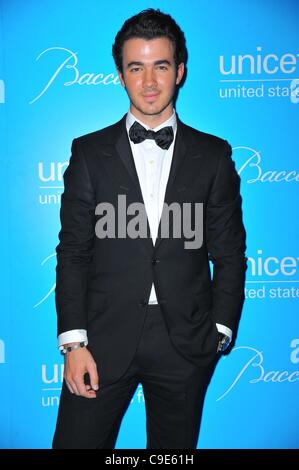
(58, 81)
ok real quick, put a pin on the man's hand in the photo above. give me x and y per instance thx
(77, 363)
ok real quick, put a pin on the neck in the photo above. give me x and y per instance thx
(152, 120)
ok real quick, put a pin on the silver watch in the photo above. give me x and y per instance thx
(223, 342)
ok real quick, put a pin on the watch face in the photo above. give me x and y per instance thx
(225, 342)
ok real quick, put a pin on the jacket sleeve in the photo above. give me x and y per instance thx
(75, 249)
(226, 243)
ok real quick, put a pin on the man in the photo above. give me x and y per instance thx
(143, 309)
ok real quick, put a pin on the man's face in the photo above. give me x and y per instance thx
(150, 76)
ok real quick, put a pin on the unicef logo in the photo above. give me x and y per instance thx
(258, 75)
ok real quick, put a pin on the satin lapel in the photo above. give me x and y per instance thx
(120, 165)
(179, 153)
(124, 151)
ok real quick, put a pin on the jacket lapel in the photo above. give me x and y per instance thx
(120, 165)
(179, 154)
(124, 151)
(127, 181)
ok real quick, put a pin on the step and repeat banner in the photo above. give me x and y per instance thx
(58, 81)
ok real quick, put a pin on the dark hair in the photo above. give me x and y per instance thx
(150, 24)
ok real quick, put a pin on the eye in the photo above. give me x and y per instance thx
(162, 67)
(135, 69)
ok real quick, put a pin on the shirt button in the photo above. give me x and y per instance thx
(151, 195)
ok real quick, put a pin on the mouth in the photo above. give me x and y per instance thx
(150, 96)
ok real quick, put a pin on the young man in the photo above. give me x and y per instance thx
(144, 309)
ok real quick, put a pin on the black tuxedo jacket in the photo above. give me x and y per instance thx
(103, 285)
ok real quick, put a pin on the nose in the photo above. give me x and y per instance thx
(149, 78)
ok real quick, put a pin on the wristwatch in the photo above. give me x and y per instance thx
(223, 342)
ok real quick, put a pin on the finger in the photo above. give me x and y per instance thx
(94, 377)
(90, 393)
(74, 387)
(69, 387)
(82, 389)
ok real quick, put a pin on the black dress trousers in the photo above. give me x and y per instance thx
(174, 391)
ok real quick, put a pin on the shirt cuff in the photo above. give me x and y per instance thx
(225, 330)
(72, 336)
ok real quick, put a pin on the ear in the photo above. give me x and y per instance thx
(120, 76)
(180, 73)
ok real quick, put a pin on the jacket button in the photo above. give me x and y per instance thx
(142, 303)
(155, 261)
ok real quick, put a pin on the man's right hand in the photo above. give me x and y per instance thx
(76, 364)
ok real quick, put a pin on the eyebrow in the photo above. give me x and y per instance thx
(157, 62)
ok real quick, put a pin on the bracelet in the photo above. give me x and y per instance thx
(73, 347)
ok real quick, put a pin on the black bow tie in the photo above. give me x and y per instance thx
(163, 137)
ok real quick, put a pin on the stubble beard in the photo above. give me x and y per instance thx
(146, 110)
(155, 111)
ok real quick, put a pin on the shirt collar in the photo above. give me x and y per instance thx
(171, 121)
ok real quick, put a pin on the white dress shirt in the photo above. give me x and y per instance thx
(153, 167)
